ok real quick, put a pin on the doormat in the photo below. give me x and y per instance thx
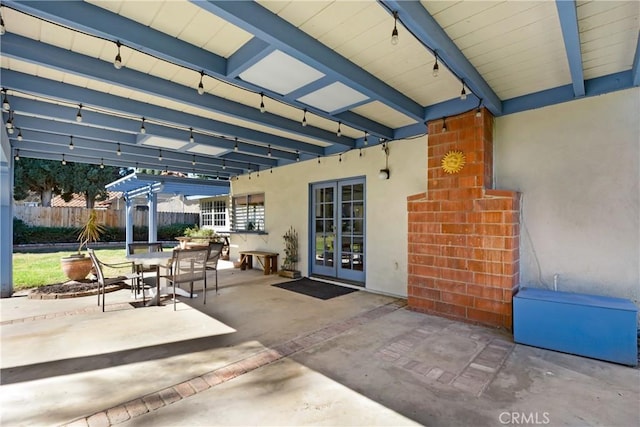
(315, 288)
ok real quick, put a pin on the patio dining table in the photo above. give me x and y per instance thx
(156, 260)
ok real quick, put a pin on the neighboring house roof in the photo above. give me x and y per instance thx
(79, 201)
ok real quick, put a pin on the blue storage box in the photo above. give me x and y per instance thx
(587, 325)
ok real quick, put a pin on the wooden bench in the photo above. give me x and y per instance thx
(268, 260)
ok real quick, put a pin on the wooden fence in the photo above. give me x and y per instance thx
(75, 217)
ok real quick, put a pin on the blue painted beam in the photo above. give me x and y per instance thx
(101, 23)
(593, 87)
(274, 30)
(635, 69)
(569, 25)
(57, 90)
(29, 50)
(251, 52)
(120, 162)
(58, 144)
(415, 17)
(94, 121)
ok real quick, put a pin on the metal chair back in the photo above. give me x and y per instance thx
(188, 266)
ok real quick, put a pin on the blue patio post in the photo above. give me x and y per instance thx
(152, 199)
(128, 220)
(6, 216)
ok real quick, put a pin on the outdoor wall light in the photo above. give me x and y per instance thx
(385, 173)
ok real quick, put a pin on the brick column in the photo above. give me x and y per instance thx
(463, 235)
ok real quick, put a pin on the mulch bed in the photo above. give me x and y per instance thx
(71, 289)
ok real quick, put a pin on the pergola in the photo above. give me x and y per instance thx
(137, 184)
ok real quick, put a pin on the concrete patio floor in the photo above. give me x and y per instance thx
(259, 355)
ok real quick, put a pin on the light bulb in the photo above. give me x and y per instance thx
(191, 139)
(143, 130)
(394, 33)
(101, 164)
(262, 107)
(117, 63)
(19, 134)
(339, 132)
(201, 85)
(71, 143)
(304, 118)
(436, 68)
(79, 114)
(5, 102)
(463, 94)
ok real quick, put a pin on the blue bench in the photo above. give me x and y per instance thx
(599, 327)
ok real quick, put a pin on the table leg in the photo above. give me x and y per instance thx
(274, 264)
(267, 265)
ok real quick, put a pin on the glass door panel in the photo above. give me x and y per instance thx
(338, 230)
(324, 229)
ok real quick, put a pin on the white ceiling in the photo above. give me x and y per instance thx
(339, 64)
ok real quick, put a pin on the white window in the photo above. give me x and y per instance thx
(213, 214)
(248, 212)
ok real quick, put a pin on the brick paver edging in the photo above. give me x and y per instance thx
(193, 386)
(85, 310)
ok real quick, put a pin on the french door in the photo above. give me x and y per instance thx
(338, 229)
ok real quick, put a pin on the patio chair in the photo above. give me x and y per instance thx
(215, 253)
(103, 281)
(142, 247)
(188, 266)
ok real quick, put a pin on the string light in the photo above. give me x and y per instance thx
(79, 114)
(463, 93)
(360, 152)
(9, 123)
(3, 30)
(101, 163)
(201, 84)
(5, 101)
(64, 162)
(436, 68)
(160, 155)
(191, 139)
(269, 152)
(193, 160)
(143, 129)
(366, 138)
(297, 156)
(17, 157)
(318, 159)
(304, 118)
(224, 164)
(117, 63)
(19, 134)
(339, 132)
(340, 158)
(118, 152)
(235, 147)
(262, 107)
(394, 33)
(444, 125)
(71, 142)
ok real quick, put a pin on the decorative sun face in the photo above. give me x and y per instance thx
(453, 161)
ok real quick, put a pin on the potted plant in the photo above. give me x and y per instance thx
(78, 265)
(290, 262)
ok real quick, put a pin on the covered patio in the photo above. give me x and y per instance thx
(438, 156)
(256, 354)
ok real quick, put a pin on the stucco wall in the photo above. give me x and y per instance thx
(287, 204)
(577, 167)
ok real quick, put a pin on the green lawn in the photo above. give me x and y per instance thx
(32, 269)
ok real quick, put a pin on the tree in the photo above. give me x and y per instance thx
(88, 180)
(50, 177)
(40, 176)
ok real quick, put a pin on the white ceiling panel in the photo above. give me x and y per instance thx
(516, 46)
(280, 73)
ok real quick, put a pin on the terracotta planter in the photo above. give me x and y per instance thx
(76, 268)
